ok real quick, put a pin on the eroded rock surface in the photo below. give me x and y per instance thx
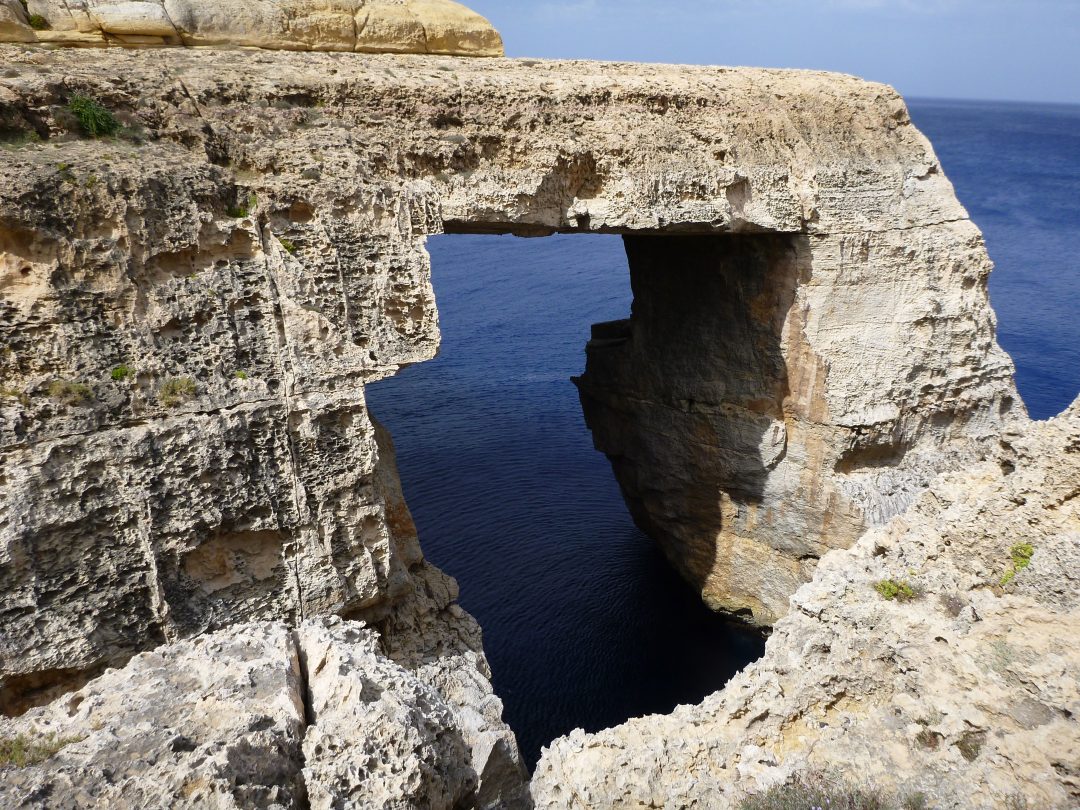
(258, 715)
(752, 422)
(967, 693)
(190, 309)
(364, 26)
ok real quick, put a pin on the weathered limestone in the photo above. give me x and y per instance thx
(967, 694)
(225, 276)
(254, 716)
(754, 424)
(364, 26)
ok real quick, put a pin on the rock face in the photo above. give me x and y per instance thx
(754, 424)
(191, 308)
(189, 312)
(966, 693)
(254, 716)
(363, 26)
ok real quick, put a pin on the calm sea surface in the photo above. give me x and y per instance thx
(584, 623)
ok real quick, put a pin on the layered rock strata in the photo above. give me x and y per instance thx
(190, 309)
(962, 688)
(363, 26)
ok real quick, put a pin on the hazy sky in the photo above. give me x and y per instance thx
(1027, 50)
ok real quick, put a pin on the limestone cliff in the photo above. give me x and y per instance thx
(265, 216)
(962, 688)
(364, 26)
(190, 309)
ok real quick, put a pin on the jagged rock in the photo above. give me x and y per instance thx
(367, 26)
(254, 716)
(379, 737)
(967, 693)
(428, 633)
(214, 722)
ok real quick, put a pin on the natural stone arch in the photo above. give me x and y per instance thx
(272, 219)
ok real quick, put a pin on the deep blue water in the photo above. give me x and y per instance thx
(584, 623)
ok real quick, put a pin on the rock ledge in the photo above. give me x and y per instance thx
(363, 26)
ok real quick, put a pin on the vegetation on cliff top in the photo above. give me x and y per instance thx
(891, 589)
(820, 792)
(1021, 555)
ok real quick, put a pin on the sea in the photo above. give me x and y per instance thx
(585, 625)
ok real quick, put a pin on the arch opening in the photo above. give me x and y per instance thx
(585, 623)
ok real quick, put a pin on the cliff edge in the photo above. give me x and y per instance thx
(935, 658)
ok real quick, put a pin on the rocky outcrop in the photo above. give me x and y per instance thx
(751, 422)
(363, 26)
(190, 311)
(254, 716)
(962, 689)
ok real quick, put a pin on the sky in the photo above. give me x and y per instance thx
(1010, 50)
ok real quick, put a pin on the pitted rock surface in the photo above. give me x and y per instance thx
(255, 716)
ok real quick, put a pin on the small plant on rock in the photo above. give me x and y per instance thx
(891, 589)
(22, 751)
(290, 248)
(95, 121)
(176, 391)
(70, 393)
(14, 393)
(243, 208)
(122, 372)
(1021, 555)
(241, 375)
(38, 23)
(971, 744)
(928, 739)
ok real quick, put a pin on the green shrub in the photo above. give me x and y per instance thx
(241, 375)
(70, 393)
(177, 391)
(891, 589)
(22, 751)
(122, 372)
(1021, 555)
(38, 23)
(243, 208)
(288, 245)
(94, 120)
